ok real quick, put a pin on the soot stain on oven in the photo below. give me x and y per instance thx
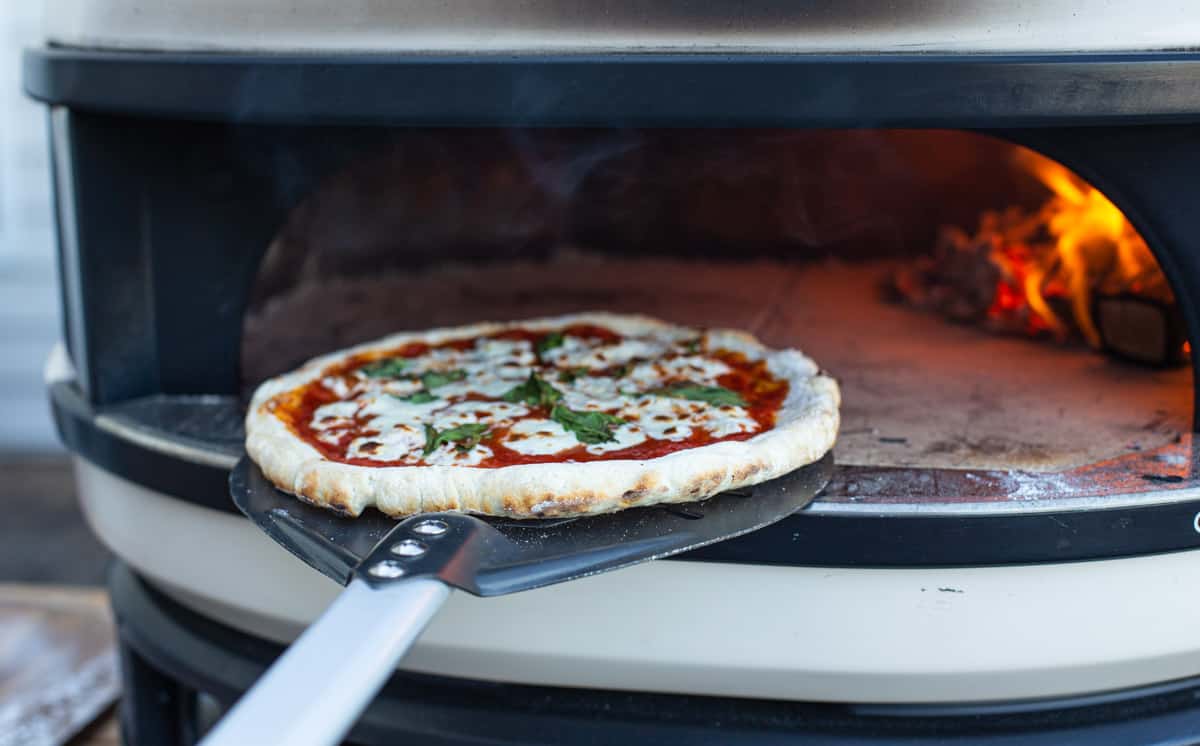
(789, 235)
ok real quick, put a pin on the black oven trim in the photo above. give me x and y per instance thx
(809, 538)
(626, 89)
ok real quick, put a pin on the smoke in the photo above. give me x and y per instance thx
(559, 166)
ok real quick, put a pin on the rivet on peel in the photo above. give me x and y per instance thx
(386, 570)
(432, 527)
(408, 548)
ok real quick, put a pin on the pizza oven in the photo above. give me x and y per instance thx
(977, 219)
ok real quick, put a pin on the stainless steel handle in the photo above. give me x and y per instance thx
(316, 690)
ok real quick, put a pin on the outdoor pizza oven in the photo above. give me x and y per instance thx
(979, 220)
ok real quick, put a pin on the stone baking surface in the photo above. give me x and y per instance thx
(917, 391)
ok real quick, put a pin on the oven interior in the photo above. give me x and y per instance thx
(811, 239)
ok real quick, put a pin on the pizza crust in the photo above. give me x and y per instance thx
(805, 429)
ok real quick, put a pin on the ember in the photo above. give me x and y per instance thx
(1072, 269)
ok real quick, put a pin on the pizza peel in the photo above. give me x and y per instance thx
(397, 575)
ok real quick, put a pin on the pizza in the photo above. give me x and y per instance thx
(564, 416)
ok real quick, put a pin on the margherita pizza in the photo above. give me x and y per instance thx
(551, 417)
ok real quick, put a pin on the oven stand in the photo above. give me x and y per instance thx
(180, 670)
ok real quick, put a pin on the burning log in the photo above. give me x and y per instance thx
(1142, 329)
(1075, 269)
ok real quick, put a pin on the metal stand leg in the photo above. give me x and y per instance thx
(154, 710)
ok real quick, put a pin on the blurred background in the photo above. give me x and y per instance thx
(42, 535)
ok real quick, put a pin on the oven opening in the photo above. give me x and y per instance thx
(1000, 331)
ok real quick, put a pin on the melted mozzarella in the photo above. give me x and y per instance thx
(625, 436)
(660, 417)
(592, 393)
(449, 455)
(537, 437)
(339, 386)
(385, 410)
(666, 418)
(324, 416)
(399, 387)
(469, 412)
(572, 347)
(606, 356)
(493, 367)
(486, 383)
(402, 442)
(722, 422)
(695, 368)
(330, 420)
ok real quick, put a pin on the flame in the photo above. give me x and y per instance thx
(1041, 268)
(1078, 242)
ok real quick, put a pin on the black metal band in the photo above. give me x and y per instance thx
(873, 540)
(195, 482)
(656, 89)
(810, 538)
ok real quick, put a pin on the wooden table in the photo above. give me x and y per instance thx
(58, 656)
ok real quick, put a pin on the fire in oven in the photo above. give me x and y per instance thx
(993, 255)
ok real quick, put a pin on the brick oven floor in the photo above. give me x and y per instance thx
(43, 536)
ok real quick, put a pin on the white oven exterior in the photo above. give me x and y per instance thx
(945, 635)
(916, 635)
(586, 26)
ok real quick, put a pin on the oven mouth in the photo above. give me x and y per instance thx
(804, 238)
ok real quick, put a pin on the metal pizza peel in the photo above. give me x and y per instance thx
(397, 575)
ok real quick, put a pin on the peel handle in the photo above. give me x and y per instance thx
(315, 691)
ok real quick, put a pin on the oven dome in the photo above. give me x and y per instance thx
(580, 26)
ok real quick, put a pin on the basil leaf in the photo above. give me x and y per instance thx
(621, 370)
(535, 392)
(431, 440)
(421, 397)
(589, 427)
(467, 436)
(433, 379)
(549, 342)
(570, 374)
(715, 395)
(388, 367)
(692, 346)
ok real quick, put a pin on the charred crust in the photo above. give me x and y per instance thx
(632, 496)
(435, 505)
(744, 473)
(310, 484)
(338, 499)
(554, 506)
(333, 507)
(645, 486)
(707, 483)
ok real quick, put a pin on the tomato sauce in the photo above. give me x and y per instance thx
(763, 393)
